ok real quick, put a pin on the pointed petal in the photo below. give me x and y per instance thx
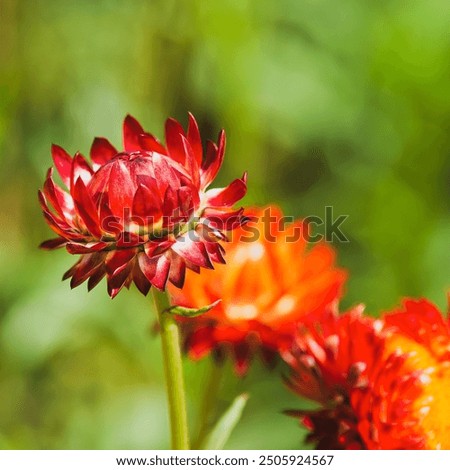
(84, 268)
(193, 251)
(53, 243)
(97, 275)
(147, 205)
(131, 132)
(213, 161)
(63, 163)
(215, 252)
(140, 281)
(175, 147)
(61, 201)
(156, 270)
(116, 281)
(227, 197)
(159, 280)
(193, 136)
(117, 259)
(121, 190)
(80, 249)
(191, 164)
(86, 209)
(80, 169)
(177, 272)
(101, 152)
(151, 143)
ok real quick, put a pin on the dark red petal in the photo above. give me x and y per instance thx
(215, 252)
(80, 249)
(227, 197)
(97, 275)
(186, 201)
(191, 163)
(115, 260)
(213, 161)
(80, 169)
(224, 220)
(151, 143)
(141, 282)
(177, 272)
(84, 268)
(146, 204)
(193, 251)
(101, 152)
(147, 265)
(169, 204)
(86, 208)
(131, 134)
(154, 248)
(117, 280)
(53, 243)
(128, 240)
(156, 270)
(164, 174)
(174, 144)
(193, 136)
(159, 280)
(63, 163)
(61, 201)
(121, 190)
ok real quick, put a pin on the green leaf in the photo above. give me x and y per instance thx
(191, 312)
(221, 432)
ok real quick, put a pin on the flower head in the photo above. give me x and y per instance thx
(143, 214)
(272, 281)
(382, 384)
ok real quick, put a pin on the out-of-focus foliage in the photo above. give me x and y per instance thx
(325, 103)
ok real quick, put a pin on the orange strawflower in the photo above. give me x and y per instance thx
(382, 384)
(271, 281)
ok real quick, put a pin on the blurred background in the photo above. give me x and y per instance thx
(325, 103)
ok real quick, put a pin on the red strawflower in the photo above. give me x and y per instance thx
(271, 282)
(382, 384)
(143, 214)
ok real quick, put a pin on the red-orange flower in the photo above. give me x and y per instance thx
(382, 384)
(272, 280)
(143, 214)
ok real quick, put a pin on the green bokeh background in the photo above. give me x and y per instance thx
(340, 103)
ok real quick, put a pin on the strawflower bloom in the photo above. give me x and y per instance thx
(142, 214)
(272, 280)
(382, 383)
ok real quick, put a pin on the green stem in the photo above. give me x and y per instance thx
(209, 401)
(173, 369)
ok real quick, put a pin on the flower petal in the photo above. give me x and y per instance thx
(227, 197)
(131, 134)
(63, 163)
(193, 251)
(193, 136)
(86, 208)
(174, 144)
(80, 169)
(213, 160)
(102, 151)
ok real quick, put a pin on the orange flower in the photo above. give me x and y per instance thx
(382, 384)
(272, 280)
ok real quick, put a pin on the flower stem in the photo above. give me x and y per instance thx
(209, 401)
(173, 369)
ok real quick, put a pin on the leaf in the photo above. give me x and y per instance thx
(191, 312)
(221, 432)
